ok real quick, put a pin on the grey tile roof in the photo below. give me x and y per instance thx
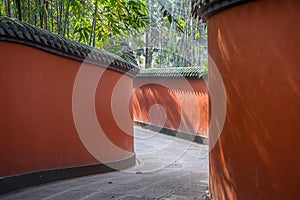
(206, 8)
(176, 72)
(22, 33)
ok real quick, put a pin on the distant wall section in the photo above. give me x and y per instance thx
(172, 98)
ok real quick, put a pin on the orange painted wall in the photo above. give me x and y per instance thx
(183, 103)
(256, 49)
(37, 127)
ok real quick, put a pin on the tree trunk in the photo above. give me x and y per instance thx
(28, 11)
(93, 30)
(8, 8)
(61, 11)
(66, 18)
(45, 16)
(18, 4)
(40, 13)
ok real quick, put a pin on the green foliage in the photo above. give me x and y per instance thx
(161, 33)
(173, 37)
(2, 8)
(87, 21)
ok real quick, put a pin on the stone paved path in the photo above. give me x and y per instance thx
(167, 168)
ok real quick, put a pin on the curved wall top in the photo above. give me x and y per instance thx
(206, 8)
(22, 33)
(175, 72)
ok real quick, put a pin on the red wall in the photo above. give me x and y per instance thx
(256, 49)
(37, 127)
(183, 103)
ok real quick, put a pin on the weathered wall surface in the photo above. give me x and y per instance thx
(256, 49)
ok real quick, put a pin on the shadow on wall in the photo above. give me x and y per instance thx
(256, 154)
(172, 105)
(158, 105)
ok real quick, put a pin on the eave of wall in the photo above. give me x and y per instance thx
(22, 33)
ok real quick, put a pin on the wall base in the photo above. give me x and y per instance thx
(12, 183)
(179, 134)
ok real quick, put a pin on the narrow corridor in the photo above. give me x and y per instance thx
(167, 168)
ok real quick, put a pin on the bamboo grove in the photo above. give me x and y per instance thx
(160, 33)
(86, 21)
